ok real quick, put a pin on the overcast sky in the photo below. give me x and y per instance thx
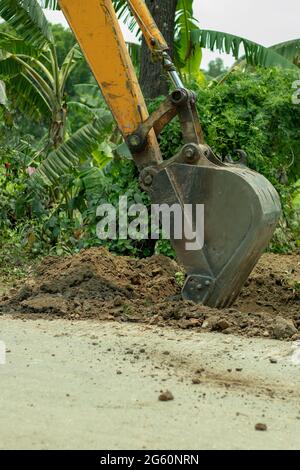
(265, 21)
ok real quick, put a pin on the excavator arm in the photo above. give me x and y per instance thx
(99, 34)
(241, 208)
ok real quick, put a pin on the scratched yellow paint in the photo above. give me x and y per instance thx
(147, 24)
(97, 30)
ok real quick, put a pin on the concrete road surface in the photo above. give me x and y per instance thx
(88, 385)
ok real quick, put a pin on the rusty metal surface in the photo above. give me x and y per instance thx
(241, 212)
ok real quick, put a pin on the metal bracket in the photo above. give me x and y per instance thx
(181, 103)
(190, 154)
(198, 288)
(157, 121)
(242, 162)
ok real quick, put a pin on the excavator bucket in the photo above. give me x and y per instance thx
(241, 210)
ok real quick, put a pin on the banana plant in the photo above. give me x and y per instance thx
(190, 39)
(286, 54)
(290, 50)
(35, 84)
(29, 65)
(187, 54)
(77, 149)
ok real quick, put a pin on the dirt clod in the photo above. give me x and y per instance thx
(284, 328)
(44, 303)
(261, 427)
(196, 381)
(223, 324)
(166, 396)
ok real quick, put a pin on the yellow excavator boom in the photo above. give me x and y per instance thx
(99, 35)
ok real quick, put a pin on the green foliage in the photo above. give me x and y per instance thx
(188, 53)
(180, 278)
(254, 112)
(27, 19)
(190, 39)
(15, 263)
(62, 218)
(216, 68)
(287, 235)
(64, 40)
(121, 180)
(19, 197)
(290, 50)
(164, 247)
(51, 4)
(280, 55)
(36, 65)
(78, 147)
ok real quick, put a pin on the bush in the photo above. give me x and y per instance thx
(254, 112)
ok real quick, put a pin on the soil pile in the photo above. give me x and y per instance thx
(99, 285)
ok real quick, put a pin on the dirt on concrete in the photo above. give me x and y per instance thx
(61, 388)
(100, 285)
